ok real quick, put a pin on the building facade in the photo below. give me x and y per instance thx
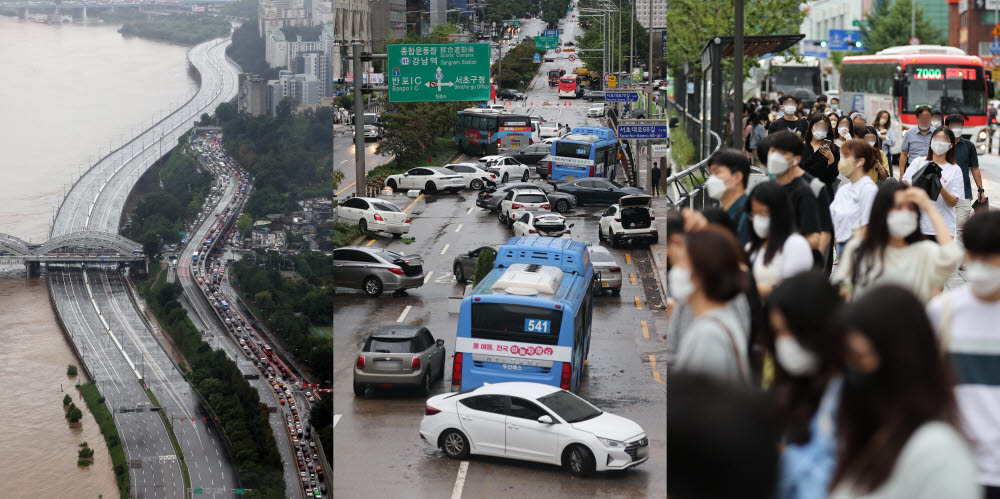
(280, 13)
(824, 15)
(971, 30)
(659, 13)
(252, 96)
(388, 22)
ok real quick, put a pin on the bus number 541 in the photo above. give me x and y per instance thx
(536, 326)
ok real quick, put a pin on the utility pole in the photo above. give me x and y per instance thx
(650, 47)
(913, 18)
(631, 44)
(359, 124)
(737, 75)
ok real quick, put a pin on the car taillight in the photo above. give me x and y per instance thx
(396, 271)
(379, 217)
(407, 220)
(532, 231)
(567, 374)
(493, 175)
(530, 141)
(361, 362)
(430, 411)
(415, 364)
(456, 372)
(488, 196)
(550, 172)
(568, 231)
(516, 206)
(545, 206)
(615, 269)
(591, 170)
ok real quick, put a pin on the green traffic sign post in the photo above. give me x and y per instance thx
(546, 42)
(439, 72)
(513, 22)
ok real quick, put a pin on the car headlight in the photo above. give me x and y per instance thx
(982, 135)
(612, 444)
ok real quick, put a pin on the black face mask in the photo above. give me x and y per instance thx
(859, 131)
(858, 397)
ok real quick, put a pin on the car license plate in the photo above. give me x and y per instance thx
(604, 284)
(570, 178)
(496, 359)
(387, 365)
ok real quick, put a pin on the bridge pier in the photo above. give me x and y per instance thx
(34, 268)
(81, 15)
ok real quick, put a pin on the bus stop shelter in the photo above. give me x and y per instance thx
(717, 50)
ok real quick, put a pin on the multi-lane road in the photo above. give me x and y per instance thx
(117, 343)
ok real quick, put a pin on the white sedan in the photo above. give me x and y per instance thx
(546, 224)
(505, 167)
(428, 178)
(373, 214)
(475, 176)
(533, 422)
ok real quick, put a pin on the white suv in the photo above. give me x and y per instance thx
(628, 220)
(518, 201)
(596, 110)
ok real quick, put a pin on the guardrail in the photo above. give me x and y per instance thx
(686, 185)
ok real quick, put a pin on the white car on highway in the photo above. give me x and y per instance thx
(533, 422)
(430, 179)
(373, 214)
(475, 176)
(518, 201)
(596, 110)
(549, 130)
(505, 167)
(545, 224)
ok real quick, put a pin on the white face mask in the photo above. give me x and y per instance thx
(983, 278)
(715, 187)
(940, 147)
(844, 131)
(923, 127)
(935, 123)
(761, 226)
(794, 358)
(871, 142)
(789, 109)
(776, 163)
(679, 283)
(901, 223)
(883, 120)
(957, 130)
(819, 134)
(834, 106)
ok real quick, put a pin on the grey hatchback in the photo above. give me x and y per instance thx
(374, 270)
(399, 355)
(464, 265)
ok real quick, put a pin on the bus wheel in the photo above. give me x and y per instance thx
(580, 461)
(454, 444)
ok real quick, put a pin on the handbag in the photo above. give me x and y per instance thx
(977, 206)
(928, 178)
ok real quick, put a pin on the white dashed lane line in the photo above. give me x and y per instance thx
(444, 249)
(463, 469)
(428, 277)
(458, 228)
(403, 315)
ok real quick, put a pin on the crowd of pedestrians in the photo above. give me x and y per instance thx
(813, 349)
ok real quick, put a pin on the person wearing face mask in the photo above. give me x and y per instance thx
(916, 141)
(845, 131)
(858, 123)
(852, 205)
(806, 388)
(897, 424)
(789, 120)
(891, 250)
(706, 277)
(870, 135)
(966, 322)
(937, 118)
(834, 118)
(835, 105)
(776, 250)
(821, 155)
(967, 160)
(887, 137)
(729, 173)
(952, 186)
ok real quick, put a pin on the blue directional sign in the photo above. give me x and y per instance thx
(616, 96)
(538, 57)
(995, 46)
(819, 54)
(642, 131)
(844, 39)
(550, 32)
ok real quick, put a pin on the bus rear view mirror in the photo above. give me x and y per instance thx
(898, 86)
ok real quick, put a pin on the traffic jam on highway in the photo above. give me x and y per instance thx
(548, 357)
(209, 268)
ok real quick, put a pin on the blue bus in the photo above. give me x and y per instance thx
(529, 319)
(588, 151)
(488, 131)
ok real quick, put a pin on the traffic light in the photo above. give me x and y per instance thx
(857, 44)
(822, 43)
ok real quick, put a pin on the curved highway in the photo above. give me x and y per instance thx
(115, 340)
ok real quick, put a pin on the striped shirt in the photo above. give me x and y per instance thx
(972, 340)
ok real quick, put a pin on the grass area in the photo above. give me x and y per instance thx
(322, 331)
(345, 235)
(682, 150)
(106, 424)
(173, 440)
(155, 268)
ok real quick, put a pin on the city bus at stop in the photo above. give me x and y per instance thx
(529, 319)
(486, 131)
(900, 79)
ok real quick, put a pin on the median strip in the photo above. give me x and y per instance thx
(638, 303)
(656, 374)
(645, 330)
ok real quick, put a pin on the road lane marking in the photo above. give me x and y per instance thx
(463, 469)
(628, 259)
(428, 277)
(631, 277)
(656, 374)
(645, 330)
(638, 303)
(458, 228)
(403, 315)
(336, 417)
(444, 249)
(370, 242)
(470, 210)
(345, 188)
(413, 203)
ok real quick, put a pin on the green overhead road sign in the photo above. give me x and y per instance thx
(862, 22)
(196, 491)
(439, 72)
(513, 22)
(546, 42)
(239, 491)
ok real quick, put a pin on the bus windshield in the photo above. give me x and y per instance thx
(952, 89)
(572, 150)
(510, 322)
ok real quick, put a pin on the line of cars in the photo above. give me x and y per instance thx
(210, 271)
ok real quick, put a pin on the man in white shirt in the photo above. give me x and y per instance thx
(966, 321)
(952, 184)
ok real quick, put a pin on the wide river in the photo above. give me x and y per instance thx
(68, 91)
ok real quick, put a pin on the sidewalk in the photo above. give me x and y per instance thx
(659, 250)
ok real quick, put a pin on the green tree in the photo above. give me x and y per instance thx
(410, 131)
(205, 120)
(285, 108)
(484, 264)
(691, 23)
(151, 244)
(85, 452)
(889, 26)
(264, 300)
(244, 224)
(74, 415)
(67, 400)
(71, 370)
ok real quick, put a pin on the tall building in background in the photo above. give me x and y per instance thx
(280, 13)
(936, 12)
(252, 96)
(438, 13)
(415, 16)
(388, 22)
(315, 63)
(970, 29)
(322, 12)
(824, 15)
(659, 13)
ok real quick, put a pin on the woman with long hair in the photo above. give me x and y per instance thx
(834, 118)
(896, 424)
(820, 155)
(844, 130)
(883, 123)
(776, 250)
(881, 170)
(806, 388)
(891, 250)
(852, 203)
(941, 153)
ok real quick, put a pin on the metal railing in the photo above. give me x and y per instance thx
(686, 185)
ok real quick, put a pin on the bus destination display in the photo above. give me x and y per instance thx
(947, 73)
